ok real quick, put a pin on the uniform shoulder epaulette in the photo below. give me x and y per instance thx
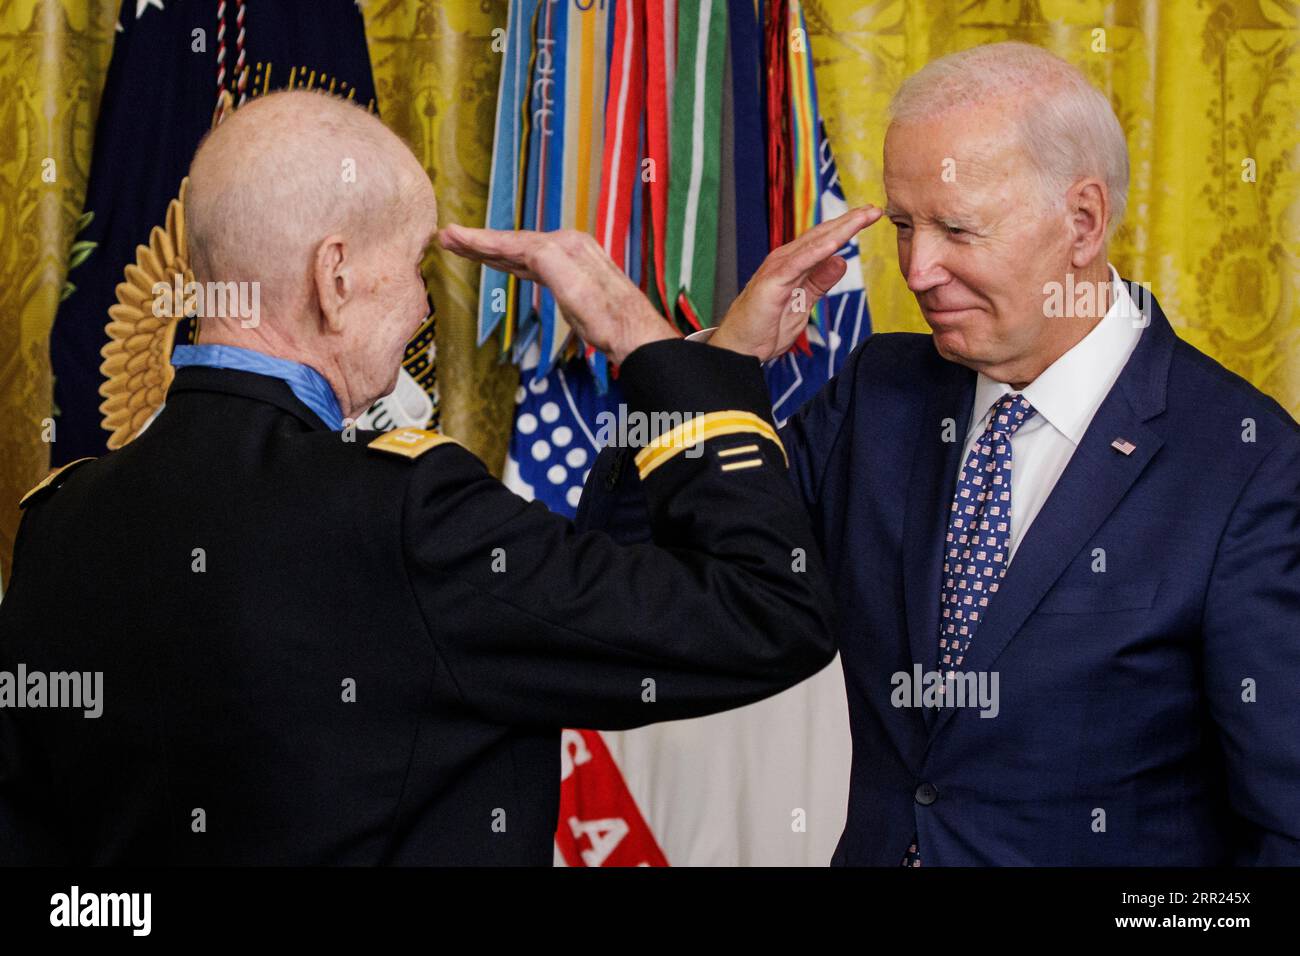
(51, 481)
(409, 442)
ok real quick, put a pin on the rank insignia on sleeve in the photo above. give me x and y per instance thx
(409, 442)
(705, 428)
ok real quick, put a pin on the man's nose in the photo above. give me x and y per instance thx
(923, 268)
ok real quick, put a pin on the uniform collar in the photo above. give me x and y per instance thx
(1068, 392)
(308, 385)
(259, 388)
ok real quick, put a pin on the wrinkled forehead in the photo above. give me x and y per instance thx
(418, 203)
(424, 213)
(964, 155)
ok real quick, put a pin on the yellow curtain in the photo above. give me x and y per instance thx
(436, 78)
(1207, 93)
(53, 59)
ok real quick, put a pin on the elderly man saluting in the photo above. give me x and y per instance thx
(374, 657)
(1065, 544)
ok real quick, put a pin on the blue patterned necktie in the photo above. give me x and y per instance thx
(978, 540)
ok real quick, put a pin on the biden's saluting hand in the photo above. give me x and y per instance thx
(772, 310)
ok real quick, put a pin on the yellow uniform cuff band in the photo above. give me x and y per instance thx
(700, 428)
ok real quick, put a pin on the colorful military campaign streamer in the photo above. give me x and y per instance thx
(693, 190)
(507, 148)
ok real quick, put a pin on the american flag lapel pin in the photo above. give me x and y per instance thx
(1124, 446)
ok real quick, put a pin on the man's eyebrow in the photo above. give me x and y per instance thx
(964, 213)
(962, 218)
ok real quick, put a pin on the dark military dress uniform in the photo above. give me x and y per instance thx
(317, 650)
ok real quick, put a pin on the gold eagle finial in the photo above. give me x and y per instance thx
(137, 356)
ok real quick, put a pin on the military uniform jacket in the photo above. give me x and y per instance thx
(315, 651)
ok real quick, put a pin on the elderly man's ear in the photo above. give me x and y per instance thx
(1089, 211)
(332, 273)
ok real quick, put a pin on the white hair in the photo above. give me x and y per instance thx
(1067, 126)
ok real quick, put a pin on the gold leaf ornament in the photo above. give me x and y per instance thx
(137, 356)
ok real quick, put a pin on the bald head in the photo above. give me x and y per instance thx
(286, 170)
(326, 209)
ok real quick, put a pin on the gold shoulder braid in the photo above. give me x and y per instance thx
(52, 480)
(409, 442)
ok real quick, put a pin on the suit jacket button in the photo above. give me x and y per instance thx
(926, 794)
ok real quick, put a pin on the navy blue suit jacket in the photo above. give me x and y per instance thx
(1149, 714)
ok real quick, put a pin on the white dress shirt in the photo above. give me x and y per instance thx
(1065, 396)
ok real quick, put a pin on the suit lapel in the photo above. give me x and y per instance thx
(930, 488)
(1096, 479)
